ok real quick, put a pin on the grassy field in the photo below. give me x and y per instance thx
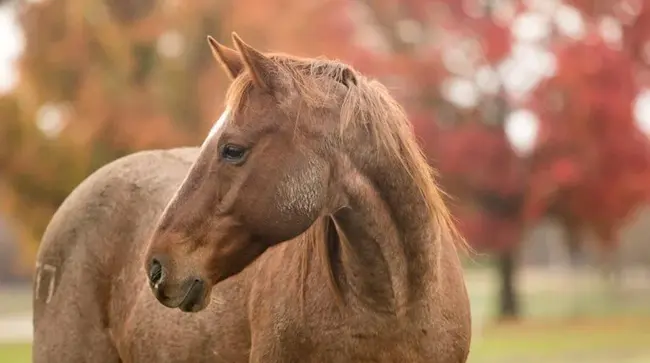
(15, 353)
(604, 341)
(566, 321)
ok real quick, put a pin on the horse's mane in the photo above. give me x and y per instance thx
(369, 105)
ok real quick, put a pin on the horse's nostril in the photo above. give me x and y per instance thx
(155, 272)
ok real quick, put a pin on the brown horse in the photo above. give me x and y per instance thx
(307, 228)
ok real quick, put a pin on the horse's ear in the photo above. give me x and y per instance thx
(229, 58)
(263, 69)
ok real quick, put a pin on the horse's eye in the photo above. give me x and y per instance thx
(233, 154)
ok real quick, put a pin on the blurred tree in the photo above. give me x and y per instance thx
(591, 168)
(99, 80)
(589, 146)
(435, 55)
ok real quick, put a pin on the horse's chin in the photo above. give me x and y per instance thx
(194, 308)
(196, 298)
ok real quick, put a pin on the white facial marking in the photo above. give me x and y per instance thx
(218, 125)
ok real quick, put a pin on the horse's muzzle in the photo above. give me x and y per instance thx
(188, 296)
(193, 300)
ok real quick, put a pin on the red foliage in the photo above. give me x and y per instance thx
(480, 168)
(481, 156)
(592, 162)
(634, 18)
(488, 232)
(470, 156)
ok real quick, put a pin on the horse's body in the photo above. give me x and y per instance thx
(374, 279)
(100, 309)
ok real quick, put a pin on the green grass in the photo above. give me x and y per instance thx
(601, 340)
(574, 323)
(15, 353)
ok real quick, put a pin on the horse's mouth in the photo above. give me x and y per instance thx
(193, 299)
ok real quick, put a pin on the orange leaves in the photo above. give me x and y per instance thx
(301, 27)
(141, 76)
(134, 75)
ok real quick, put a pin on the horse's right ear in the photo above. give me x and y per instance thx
(264, 72)
(230, 59)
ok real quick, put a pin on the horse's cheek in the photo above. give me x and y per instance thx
(300, 197)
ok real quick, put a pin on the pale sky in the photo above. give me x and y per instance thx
(10, 48)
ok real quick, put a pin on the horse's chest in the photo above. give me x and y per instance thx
(158, 334)
(357, 340)
(356, 345)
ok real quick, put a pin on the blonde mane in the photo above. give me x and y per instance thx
(368, 105)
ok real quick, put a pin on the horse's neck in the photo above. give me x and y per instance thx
(388, 250)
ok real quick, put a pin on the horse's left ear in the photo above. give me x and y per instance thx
(229, 59)
(263, 70)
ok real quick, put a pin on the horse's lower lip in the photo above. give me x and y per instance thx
(192, 297)
(164, 299)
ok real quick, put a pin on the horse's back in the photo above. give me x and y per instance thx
(91, 241)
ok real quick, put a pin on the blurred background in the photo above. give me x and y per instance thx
(535, 112)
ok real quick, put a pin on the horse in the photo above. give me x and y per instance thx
(308, 227)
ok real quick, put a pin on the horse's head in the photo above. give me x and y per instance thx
(263, 175)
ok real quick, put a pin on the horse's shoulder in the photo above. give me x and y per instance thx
(140, 170)
(132, 166)
(138, 180)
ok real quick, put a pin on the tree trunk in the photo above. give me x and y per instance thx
(508, 297)
(574, 241)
